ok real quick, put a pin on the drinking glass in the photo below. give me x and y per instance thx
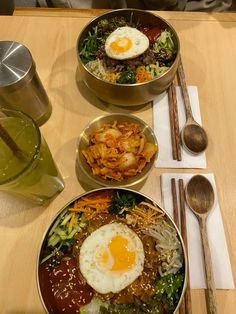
(35, 176)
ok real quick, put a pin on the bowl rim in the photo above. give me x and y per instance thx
(185, 258)
(124, 183)
(127, 10)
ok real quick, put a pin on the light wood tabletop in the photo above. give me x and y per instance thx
(208, 49)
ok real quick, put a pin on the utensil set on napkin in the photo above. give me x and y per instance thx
(192, 136)
(162, 129)
(176, 151)
(215, 230)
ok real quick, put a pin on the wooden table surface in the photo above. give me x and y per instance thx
(208, 48)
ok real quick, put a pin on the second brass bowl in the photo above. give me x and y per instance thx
(128, 94)
(84, 142)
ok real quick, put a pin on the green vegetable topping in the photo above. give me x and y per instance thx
(168, 289)
(119, 309)
(90, 45)
(63, 231)
(164, 41)
(108, 26)
(126, 77)
(122, 201)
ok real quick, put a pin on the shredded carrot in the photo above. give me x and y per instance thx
(142, 75)
(92, 207)
(84, 202)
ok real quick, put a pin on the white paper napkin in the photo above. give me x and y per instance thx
(216, 235)
(161, 123)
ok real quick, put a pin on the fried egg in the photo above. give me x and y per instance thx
(111, 258)
(126, 43)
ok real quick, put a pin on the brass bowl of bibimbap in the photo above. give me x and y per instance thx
(112, 250)
(127, 57)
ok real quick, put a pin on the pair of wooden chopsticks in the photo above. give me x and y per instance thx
(174, 123)
(185, 307)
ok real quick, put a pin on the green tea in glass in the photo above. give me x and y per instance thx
(33, 174)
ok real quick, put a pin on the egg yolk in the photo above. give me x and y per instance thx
(121, 44)
(118, 256)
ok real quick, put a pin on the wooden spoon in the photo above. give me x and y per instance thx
(199, 195)
(193, 136)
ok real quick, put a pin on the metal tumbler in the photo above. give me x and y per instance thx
(20, 85)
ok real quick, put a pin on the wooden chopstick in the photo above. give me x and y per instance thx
(185, 306)
(174, 122)
(176, 220)
(174, 202)
(188, 306)
(184, 89)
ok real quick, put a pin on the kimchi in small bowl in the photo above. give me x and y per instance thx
(116, 150)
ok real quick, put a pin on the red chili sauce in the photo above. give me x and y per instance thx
(63, 288)
(151, 33)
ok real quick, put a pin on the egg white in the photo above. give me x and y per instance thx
(130, 41)
(99, 278)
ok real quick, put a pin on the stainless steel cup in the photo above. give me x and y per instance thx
(20, 85)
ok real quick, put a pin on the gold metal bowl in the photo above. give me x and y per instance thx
(84, 142)
(45, 298)
(128, 94)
